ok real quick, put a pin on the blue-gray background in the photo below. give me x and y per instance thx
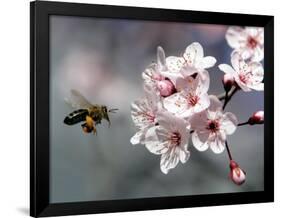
(104, 59)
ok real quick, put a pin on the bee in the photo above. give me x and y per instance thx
(89, 114)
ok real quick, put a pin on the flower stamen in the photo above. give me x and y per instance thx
(252, 42)
(213, 126)
(148, 116)
(175, 139)
(192, 99)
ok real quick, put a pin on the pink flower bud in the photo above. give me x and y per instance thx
(228, 81)
(165, 87)
(237, 175)
(257, 118)
(157, 76)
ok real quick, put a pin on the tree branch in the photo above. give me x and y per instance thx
(221, 96)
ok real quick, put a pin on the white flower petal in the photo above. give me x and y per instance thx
(161, 59)
(252, 31)
(257, 87)
(227, 69)
(202, 104)
(156, 140)
(237, 62)
(138, 116)
(138, 137)
(187, 71)
(235, 36)
(258, 54)
(217, 145)
(199, 140)
(229, 123)
(174, 64)
(215, 104)
(172, 76)
(184, 156)
(245, 53)
(198, 121)
(171, 122)
(257, 71)
(184, 83)
(207, 62)
(169, 160)
(175, 103)
(193, 54)
(203, 82)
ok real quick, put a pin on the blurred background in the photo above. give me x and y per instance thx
(104, 59)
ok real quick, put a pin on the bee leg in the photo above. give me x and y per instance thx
(91, 124)
(85, 128)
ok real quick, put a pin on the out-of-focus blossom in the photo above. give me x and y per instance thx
(237, 175)
(248, 76)
(192, 61)
(191, 97)
(249, 41)
(143, 112)
(211, 127)
(257, 118)
(169, 139)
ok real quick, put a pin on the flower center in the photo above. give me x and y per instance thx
(243, 78)
(252, 42)
(213, 125)
(175, 139)
(192, 99)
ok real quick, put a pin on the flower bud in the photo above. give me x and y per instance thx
(237, 175)
(165, 87)
(257, 118)
(157, 76)
(228, 81)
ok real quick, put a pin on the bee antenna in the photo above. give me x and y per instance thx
(113, 110)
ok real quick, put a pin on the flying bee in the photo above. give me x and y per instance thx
(89, 114)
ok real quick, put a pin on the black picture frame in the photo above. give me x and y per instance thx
(39, 108)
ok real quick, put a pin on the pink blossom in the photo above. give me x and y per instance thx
(248, 76)
(192, 61)
(211, 127)
(143, 112)
(191, 97)
(249, 42)
(169, 139)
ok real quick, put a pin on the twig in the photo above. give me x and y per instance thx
(228, 150)
(243, 124)
(248, 123)
(228, 97)
(222, 95)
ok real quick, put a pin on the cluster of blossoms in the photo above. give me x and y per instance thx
(177, 108)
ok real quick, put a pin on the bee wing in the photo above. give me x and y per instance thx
(77, 100)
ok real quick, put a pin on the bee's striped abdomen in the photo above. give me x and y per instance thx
(76, 117)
